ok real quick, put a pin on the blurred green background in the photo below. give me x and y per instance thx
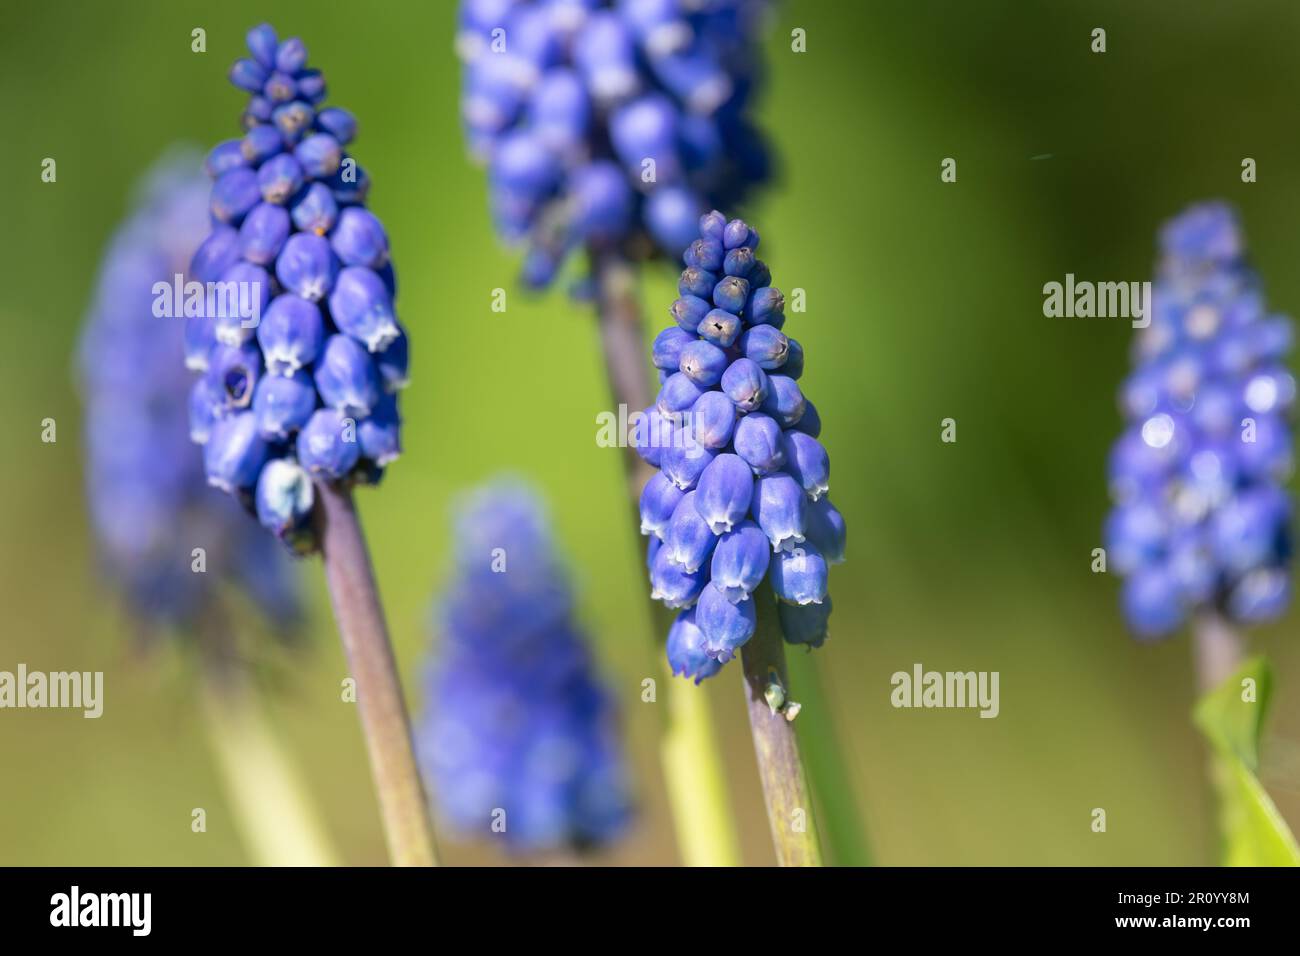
(924, 302)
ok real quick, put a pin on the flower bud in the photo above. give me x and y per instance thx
(687, 655)
(291, 334)
(284, 497)
(684, 462)
(726, 626)
(700, 361)
(799, 575)
(712, 420)
(740, 561)
(824, 529)
(279, 178)
(659, 499)
(672, 584)
(283, 404)
(263, 233)
(807, 462)
(805, 623)
(726, 488)
(720, 327)
(784, 401)
(361, 307)
(346, 377)
(688, 540)
(759, 442)
(359, 239)
(778, 507)
(307, 266)
(234, 453)
(327, 445)
(765, 346)
(667, 350)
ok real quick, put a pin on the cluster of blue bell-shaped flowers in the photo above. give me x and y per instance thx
(610, 124)
(303, 387)
(741, 493)
(1202, 516)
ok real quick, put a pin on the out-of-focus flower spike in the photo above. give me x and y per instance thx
(1201, 524)
(515, 720)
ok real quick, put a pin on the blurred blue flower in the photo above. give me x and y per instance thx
(517, 734)
(610, 124)
(306, 386)
(149, 505)
(740, 496)
(1202, 517)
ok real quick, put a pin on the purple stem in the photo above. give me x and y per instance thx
(785, 786)
(361, 625)
(1217, 649)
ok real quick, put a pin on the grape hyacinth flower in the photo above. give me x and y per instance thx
(153, 517)
(738, 511)
(741, 495)
(607, 127)
(149, 504)
(1201, 523)
(610, 124)
(297, 407)
(517, 732)
(307, 393)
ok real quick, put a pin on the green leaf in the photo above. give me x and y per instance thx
(838, 814)
(1231, 716)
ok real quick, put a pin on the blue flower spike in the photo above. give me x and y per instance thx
(740, 497)
(616, 125)
(296, 403)
(1200, 529)
(517, 732)
(302, 383)
(1201, 523)
(149, 502)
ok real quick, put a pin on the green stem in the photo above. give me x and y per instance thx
(823, 753)
(785, 786)
(693, 772)
(361, 625)
(692, 764)
(272, 808)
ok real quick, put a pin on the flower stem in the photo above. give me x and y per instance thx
(275, 815)
(361, 625)
(622, 340)
(1217, 650)
(785, 786)
(692, 763)
(693, 773)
